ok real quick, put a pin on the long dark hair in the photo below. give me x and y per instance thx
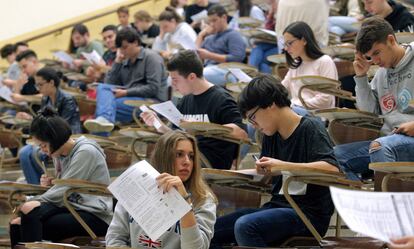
(244, 7)
(301, 30)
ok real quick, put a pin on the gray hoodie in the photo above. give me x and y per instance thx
(86, 161)
(390, 93)
(124, 231)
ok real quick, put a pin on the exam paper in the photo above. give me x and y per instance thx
(137, 191)
(93, 57)
(64, 57)
(380, 215)
(185, 42)
(199, 16)
(169, 111)
(157, 123)
(240, 75)
(5, 93)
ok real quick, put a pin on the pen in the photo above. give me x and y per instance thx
(255, 158)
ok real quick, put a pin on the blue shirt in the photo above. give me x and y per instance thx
(228, 42)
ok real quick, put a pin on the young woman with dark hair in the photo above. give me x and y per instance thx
(304, 58)
(245, 8)
(44, 216)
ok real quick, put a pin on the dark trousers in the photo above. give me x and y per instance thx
(49, 222)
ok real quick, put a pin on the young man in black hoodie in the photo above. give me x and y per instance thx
(396, 14)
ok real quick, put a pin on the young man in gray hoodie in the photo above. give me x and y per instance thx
(390, 94)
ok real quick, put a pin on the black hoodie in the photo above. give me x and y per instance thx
(400, 18)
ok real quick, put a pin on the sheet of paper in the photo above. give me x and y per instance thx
(169, 111)
(93, 57)
(137, 191)
(380, 215)
(240, 75)
(5, 93)
(157, 123)
(64, 57)
(270, 32)
(185, 42)
(199, 16)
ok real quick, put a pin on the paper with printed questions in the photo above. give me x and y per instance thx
(64, 57)
(137, 191)
(240, 75)
(93, 57)
(380, 215)
(169, 111)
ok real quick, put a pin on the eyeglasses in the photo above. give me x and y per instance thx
(251, 118)
(288, 44)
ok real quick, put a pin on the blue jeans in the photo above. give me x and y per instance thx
(342, 25)
(217, 76)
(354, 158)
(259, 54)
(261, 227)
(111, 108)
(31, 169)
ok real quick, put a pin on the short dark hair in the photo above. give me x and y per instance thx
(123, 9)
(48, 127)
(49, 74)
(26, 55)
(110, 28)
(373, 29)
(127, 34)
(170, 14)
(20, 43)
(7, 50)
(186, 62)
(217, 9)
(302, 30)
(263, 91)
(80, 28)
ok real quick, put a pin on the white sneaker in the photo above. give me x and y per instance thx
(100, 124)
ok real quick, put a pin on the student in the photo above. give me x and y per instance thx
(81, 40)
(179, 6)
(389, 94)
(145, 26)
(346, 23)
(44, 216)
(29, 65)
(172, 31)
(396, 14)
(123, 17)
(217, 44)
(206, 102)
(193, 9)
(9, 52)
(289, 140)
(136, 74)
(97, 71)
(48, 81)
(245, 8)
(304, 57)
(176, 157)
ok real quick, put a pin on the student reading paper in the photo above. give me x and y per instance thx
(176, 155)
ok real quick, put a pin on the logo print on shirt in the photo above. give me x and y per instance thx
(388, 103)
(144, 240)
(404, 99)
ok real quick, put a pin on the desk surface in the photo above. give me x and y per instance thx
(393, 167)
(12, 186)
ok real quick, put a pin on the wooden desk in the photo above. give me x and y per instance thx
(396, 170)
(144, 135)
(15, 188)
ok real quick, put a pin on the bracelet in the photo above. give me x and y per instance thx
(188, 196)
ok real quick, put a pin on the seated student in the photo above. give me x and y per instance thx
(262, 50)
(44, 216)
(29, 65)
(176, 157)
(145, 26)
(172, 31)
(179, 6)
(351, 14)
(81, 40)
(217, 44)
(136, 74)
(193, 9)
(389, 94)
(395, 13)
(97, 71)
(289, 140)
(47, 81)
(205, 102)
(123, 17)
(304, 57)
(13, 75)
(244, 8)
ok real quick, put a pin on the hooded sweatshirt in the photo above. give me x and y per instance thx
(400, 18)
(125, 231)
(86, 161)
(390, 93)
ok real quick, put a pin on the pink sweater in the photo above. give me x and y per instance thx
(324, 66)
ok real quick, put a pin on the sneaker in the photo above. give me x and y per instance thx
(100, 124)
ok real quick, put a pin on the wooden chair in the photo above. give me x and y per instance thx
(248, 22)
(350, 125)
(259, 35)
(141, 135)
(344, 51)
(280, 67)
(16, 190)
(137, 104)
(403, 172)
